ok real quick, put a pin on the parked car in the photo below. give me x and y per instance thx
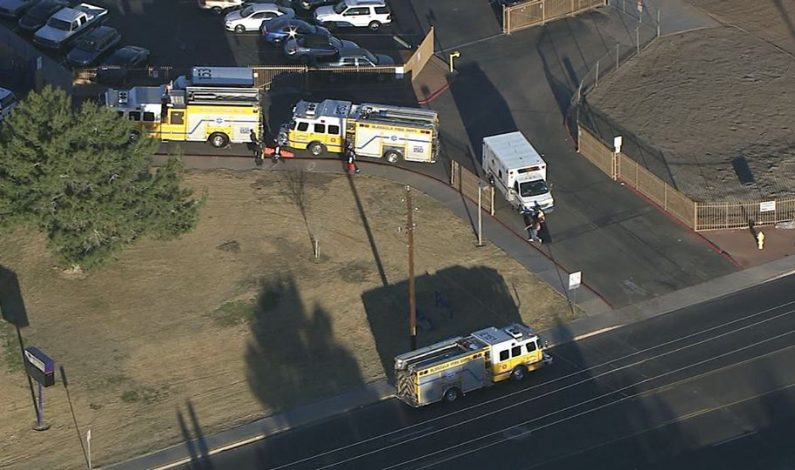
(278, 30)
(220, 6)
(122, 64)
(360, 60)
(309, 4)
(355, 13)
(66, 25)
(38, 14)
(15, 8)
(251, 17)
(92, 46)
(7, 102)
(313, 47)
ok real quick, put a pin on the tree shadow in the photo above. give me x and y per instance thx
(451, 302)
(12, 304)
(292, 356)
(482, 108)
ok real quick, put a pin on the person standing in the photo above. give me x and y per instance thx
(351, 165)
(255, 147)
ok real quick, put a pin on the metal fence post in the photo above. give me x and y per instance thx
(658, 22)
(617, 55)
(597, 74)
(637, 38)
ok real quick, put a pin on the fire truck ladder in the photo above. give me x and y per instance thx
(407, 115)
(222, 95)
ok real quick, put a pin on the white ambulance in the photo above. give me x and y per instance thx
(518, 171)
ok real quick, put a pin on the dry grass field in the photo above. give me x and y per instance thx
(239, 318)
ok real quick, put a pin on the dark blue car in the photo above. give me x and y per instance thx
(277, 30)
(92, 46)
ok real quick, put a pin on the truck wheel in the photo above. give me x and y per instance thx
(518, 373)
(240, 28)
(374, 25)
(451, 394)
(317, 149)
(392, 156)
(218, 139)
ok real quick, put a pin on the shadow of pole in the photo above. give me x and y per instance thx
(360, 208)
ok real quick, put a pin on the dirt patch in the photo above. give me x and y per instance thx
(242, 316)
(772, 21)
(718, 104)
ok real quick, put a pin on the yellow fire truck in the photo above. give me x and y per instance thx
(213, 114)
(370, 130)
(451, 368)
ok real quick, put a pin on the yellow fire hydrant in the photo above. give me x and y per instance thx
(760, 240)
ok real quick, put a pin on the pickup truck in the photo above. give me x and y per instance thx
(67, 24)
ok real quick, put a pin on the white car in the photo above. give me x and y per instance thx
(252, 16)
(355, 13)
(7, 102)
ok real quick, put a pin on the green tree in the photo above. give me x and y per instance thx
(75, 174)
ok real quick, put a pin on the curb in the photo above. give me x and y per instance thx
(182, 453)
(425, 101)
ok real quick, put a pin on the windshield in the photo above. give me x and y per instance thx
(6, 101)
(86, 45)
(371, 57)
(340, 7)
(335, 43)
(533, 188)
(246, 12)
(59, 24)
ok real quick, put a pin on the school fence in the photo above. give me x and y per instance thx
(700, 216)
(538, 12)
(469, 185)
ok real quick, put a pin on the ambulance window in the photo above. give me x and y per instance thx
(303, 126)
(500, 174)
(504, 355)
(292, 125)
(134, 115)
(149, 116)
(516, 351)
(333, 130)
(320, 128)
(531, 346)
(177, 117)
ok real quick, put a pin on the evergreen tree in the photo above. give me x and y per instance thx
(76, 175)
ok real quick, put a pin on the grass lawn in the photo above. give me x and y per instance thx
(240, 317)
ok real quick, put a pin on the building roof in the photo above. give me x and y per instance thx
(513, 149)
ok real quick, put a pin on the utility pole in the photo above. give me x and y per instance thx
(412, 297)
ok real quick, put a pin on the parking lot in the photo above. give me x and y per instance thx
(179, 34)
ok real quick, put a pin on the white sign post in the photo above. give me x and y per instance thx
(575, 279)
(88, 445)
(617, 141)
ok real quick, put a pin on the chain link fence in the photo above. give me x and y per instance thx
(538, 12)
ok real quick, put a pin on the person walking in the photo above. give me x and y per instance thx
(532, 226)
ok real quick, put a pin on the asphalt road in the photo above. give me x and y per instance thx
(710, 385)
